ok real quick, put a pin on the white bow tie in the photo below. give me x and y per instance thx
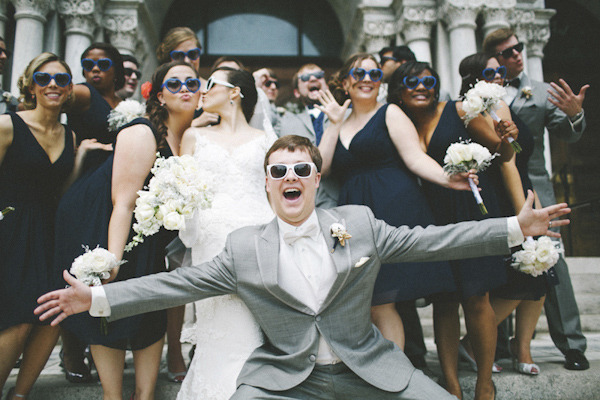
(309, 231)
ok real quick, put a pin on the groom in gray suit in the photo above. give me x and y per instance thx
(309, 291)
(557, 108)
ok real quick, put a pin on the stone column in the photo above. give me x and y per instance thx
(81, 20)
(3, 18)
(373, 27)
(121, 25)
(416, 28)
(460, 16)
(521, 21)
(496, 14)
(379, 31)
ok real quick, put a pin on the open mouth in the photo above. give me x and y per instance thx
(315, 88)
(291, 194)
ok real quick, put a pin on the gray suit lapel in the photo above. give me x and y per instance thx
(520, 99)
(307, 121)
(267, 254)
(341, 256)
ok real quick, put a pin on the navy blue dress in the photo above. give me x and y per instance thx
(82, 219)
(93, 124)
(373, 174)
(519, 286)
(31, 184)
(474, 276)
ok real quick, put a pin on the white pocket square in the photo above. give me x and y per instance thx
(361, 262)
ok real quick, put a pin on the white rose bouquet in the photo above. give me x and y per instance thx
(465, 156)
(485, 97)
(537, 256)
(174, 193)
(93, 266)
(124, 113)
(6, 211)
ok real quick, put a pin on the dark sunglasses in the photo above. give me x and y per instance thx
(174, 85)
(490, 73)
(43, 79)
(359, 74)
(411, 82)
(131, 72)
(103, 64)
(5, 52)
(272, 82)
(280, 171)
(193, 54)
(386, 59)
(507, 53)
(317, 75)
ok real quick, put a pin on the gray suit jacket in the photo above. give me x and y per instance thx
(248, 267)
(538, 113)
(301, 124)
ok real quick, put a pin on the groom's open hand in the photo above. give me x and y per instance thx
(537, 222)
(65, 302)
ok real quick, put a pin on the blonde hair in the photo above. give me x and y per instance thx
(172, 39)
(26, 81)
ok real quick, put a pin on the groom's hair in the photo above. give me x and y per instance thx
(292, 143)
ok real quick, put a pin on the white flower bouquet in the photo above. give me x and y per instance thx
(465, 156)
(124, 113)
(485, 97)
(537, 256)
(174, 193)
(6, 211)
(93, 266)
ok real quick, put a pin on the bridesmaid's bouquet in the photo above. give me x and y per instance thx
(93, 266)
(174, 193)
(465, 156)
(6, 211)
(124, 113)
(485, 97)
(537, 256)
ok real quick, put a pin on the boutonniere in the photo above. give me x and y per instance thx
(7, 96)
(527, 92)
(339, 231)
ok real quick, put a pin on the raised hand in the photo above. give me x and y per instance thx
(563, 97)
(64, 302)
(538, 222)
(331, 108)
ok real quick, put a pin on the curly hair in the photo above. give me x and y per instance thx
(245, 81)
(116, 58)
(172, 39)
(157, 114)
(411, 68)
(26, 81)
(336, 82)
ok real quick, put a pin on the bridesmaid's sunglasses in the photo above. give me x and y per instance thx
(103, 64)
(280, 171)
(193, 54)
(359, 74)
(43, 79)
(174, 85)
(490, 73)
(411, 82)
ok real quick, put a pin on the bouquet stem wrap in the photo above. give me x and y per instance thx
(478, 198)
(513, 143)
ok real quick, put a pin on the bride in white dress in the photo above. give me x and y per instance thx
(233, 153)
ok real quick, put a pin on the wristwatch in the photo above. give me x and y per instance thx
(576, 117)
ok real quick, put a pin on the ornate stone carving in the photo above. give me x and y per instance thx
(461, 13)
(416, 23)
(521, 21)
(80, 16)
(34, 9)
(122, 29)
(538, 33)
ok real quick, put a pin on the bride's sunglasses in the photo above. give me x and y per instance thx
(490, 73)
(43, 79)
(411, 82)
(174, 85)
(193, 54)
(212, 82)
(280, 171)
(103, 64)
(359, 74)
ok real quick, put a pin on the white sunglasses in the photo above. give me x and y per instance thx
(280, 171)
(212, 81)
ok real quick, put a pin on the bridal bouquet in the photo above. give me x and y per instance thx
(124, 113)
(176, 190)
(6, 211)
(93, 266)
(537, 256)
(465, 156)
(485, 97)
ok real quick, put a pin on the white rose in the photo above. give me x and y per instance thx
(144, 212)
(174, 221)
(473, 105)
(479, 153)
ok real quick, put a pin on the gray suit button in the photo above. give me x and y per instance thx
(318, 318)
(312, 358)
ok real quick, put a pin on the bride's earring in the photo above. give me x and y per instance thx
(231, 101)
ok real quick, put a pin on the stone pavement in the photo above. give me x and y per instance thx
(553, 383)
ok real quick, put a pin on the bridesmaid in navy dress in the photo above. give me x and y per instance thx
(415, 86)
(370, 151)
(36, 160)
(98, 210)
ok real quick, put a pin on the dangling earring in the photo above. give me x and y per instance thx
(231, 101)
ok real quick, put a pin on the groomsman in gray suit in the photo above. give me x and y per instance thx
(557, 108)
(310, 122)
(310, 290)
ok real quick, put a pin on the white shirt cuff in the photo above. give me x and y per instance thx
(515, 234)
(100, 306)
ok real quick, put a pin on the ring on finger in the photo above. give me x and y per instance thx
(550, 225)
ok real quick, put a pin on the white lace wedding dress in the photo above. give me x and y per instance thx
(225, 332)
